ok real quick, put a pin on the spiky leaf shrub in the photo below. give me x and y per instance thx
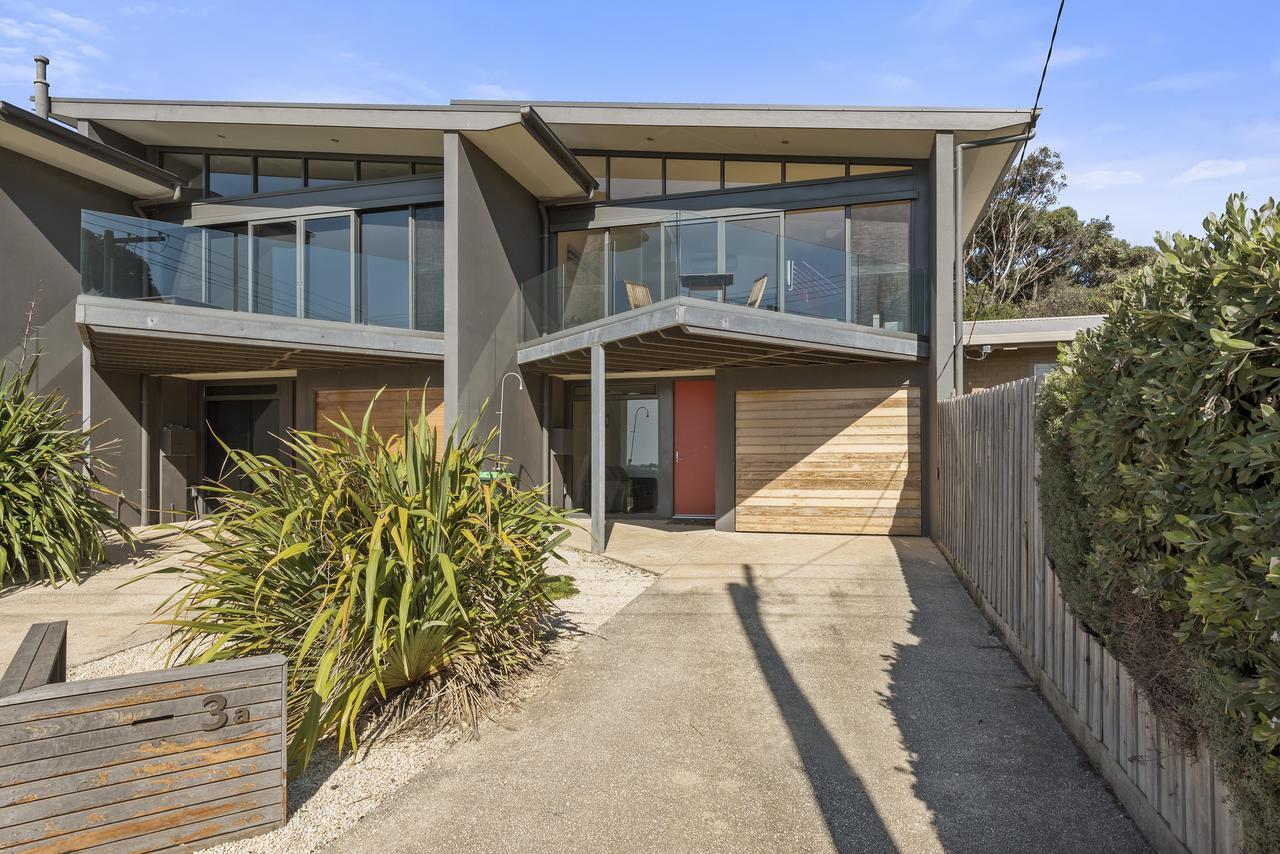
(51, 523)
(1164, 425)
(386, 569)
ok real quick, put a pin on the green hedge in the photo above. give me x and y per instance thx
(1161, 438)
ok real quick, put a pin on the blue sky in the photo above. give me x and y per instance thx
(1160, 108)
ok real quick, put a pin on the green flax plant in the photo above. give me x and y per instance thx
(52, 524)
(395, 578)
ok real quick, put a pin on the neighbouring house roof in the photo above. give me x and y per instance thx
(1028, 330)
(60, 147)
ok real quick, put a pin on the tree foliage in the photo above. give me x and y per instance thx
(1164, 425)
(1029, 257)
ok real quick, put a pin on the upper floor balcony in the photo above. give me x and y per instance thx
(848, 263)
(837, 277)
(382, 268)
(330, 289)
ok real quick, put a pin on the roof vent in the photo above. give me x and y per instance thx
(41, 96)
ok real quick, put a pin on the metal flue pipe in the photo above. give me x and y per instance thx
(41, 97)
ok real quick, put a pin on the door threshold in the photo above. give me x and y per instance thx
(690, 517)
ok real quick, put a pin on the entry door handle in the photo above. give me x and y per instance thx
(678, 457)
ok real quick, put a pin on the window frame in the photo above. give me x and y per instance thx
(155, 155)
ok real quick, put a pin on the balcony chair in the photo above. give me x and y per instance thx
(638, 295)
(757, 291)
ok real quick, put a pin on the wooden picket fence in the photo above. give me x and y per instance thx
(990, 531)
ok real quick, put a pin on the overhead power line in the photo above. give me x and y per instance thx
(1017, 172)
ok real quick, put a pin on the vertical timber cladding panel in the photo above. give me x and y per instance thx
(155, 761)
(828, 460)
(388, 411)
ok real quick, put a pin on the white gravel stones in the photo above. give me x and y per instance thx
(332, 795)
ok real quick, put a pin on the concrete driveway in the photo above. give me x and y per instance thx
(103, 617)
(770, 693)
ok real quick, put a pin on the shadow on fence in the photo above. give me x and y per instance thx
(991, 533)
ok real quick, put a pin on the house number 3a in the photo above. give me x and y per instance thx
(215, 707)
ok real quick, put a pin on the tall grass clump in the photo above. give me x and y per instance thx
(395, 578)
(51, 523)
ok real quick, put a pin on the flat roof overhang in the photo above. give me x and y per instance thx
(888, 133)
(691, 334)
(1029, 331)
(139, 336)
(512, 134)
(60, 147)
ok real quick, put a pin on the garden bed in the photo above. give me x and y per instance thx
(335, 792)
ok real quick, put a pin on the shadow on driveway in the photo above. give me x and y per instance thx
(992, 764)
(839, 792)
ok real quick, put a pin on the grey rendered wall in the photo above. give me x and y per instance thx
(942, 255)
(40, 255)
(837, 376)
(492, 236)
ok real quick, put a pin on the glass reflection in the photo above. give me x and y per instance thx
(327, 281)
(814, 275)
(384, 267)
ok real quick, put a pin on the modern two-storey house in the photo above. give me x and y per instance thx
(734, 313)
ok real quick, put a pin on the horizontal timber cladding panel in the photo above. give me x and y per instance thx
(388, 412)
(829, 461)
(145, 762)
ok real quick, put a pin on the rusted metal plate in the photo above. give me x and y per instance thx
(172, 759)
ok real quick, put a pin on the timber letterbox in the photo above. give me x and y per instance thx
(179, 758)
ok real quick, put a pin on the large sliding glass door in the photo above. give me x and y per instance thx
(327, 268)
(275, 268)
(816, 263)
(751, 257)
(384, 268)
(385, 279)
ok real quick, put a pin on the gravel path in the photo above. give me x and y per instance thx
(334, 793)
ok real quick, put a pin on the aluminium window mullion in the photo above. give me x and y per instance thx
(353, 266)
(782, 262)
(251, 284)
(300, 259)
(848, 265)
(204, 267)
(722, 266)
(413, 255)
(607, 268)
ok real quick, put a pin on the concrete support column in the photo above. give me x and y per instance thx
(943, 372)
(597, 449)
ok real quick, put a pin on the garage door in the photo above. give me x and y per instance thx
(828, 461)
(388, 412)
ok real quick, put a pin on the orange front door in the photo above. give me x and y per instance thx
(695, 448)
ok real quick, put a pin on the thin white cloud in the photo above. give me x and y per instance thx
(940, 13)
(74, 59)
(495, 92)
(73, 22)
(1101, 179)
(1187, 81)
(1209, 170)
(145, 8)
